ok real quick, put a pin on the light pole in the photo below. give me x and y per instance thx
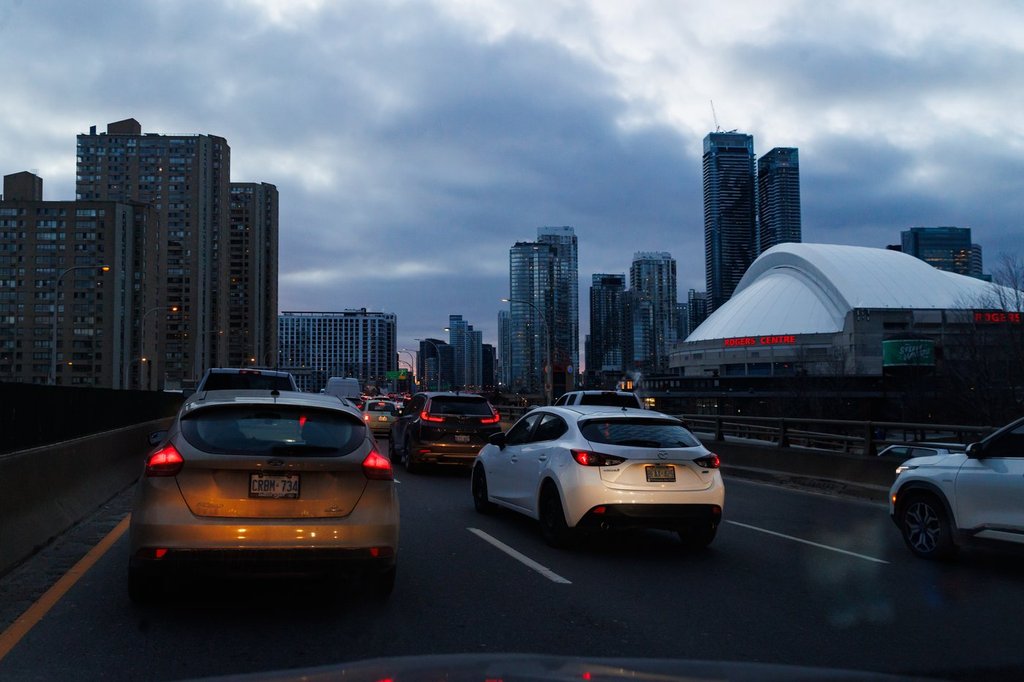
(56, 295)
(412, 363)
(142, 341)
(547, 346)
(437, 353)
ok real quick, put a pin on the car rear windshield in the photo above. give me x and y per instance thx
(470, 407)
(612, 399)
(273, 430)
(246, 380)
(648, 433)
(381, 406)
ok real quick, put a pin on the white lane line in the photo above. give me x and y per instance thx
(808, 542)
(519, 556)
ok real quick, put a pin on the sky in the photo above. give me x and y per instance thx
(414, 142)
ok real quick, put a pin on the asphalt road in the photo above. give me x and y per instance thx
(793, 577)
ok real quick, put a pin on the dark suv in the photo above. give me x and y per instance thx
(442, 428)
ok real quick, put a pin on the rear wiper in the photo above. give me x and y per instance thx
(300, 448)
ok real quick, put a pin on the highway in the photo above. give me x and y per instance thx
(793, 577)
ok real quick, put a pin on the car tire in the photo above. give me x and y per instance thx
(392, 454)
(926, 528)
(478, 485)
(143, 587)
(410, 464)
(553, 526)
(699, 535)
(381, 585)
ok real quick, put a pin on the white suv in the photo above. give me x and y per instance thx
(945, 501)
(609, 398)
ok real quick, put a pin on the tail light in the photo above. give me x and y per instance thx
(493, 419)
(709, 461)
(377, 467)
(427, 417)
(166, 461)
(366, 417)
(595, 459)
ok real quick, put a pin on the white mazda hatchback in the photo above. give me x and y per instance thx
(601, 467)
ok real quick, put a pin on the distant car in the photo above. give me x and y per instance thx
(379, 415)
(610, 398)
(442, 428)
(234, 378)
(909, 450)
(598, 467)
(264, 481)
(345, 389)
(949, 500)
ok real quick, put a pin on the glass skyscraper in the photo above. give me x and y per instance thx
(778, 198)
(607, 323)
(946, 248)
(544, 309)
(653, 299)
(730, 236)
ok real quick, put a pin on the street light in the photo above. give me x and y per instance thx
(438, 354)
(547, 346)
(56, 294)
(412, 362)
(142, 341)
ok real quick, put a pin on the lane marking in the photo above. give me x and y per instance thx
(35, 613)
(522, 558)
(809, 542)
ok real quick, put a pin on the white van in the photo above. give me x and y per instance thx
(346, 389)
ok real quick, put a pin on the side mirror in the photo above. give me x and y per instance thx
(497, 439)
(188, 392)
(157, 437)
(975, 451)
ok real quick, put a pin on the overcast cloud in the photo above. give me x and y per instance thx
(414, 142)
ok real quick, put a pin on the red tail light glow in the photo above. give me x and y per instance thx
(427, 417)
(377, 467)
(595, 459)
(493, 419)
(709, 461)
(166, 461)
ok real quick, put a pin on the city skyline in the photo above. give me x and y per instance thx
(408, 162)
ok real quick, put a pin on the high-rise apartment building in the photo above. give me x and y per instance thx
(466, 343)
(778, 198)
(696, 309)
(185, 178)
(252, 251)
(504, 347)
(544, 310)
(730, 235)
(946, 248)
(351, 343)
(653, 298)
(607, 340)
(63, 318)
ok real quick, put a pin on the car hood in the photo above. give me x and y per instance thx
(530, 667)
(951, 460)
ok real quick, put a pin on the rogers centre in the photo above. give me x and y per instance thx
(826, 310)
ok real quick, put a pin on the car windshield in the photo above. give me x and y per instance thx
(278, 430)
(455, 406)
(648, 433)
(612, 399)
(230, 381)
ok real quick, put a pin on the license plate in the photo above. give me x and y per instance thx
(274, 485)
(382, 419)
(459, 438)
(661, 473)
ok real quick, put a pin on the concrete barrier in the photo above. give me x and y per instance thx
(46, 490)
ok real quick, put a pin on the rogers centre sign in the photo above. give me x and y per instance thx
(759, 341)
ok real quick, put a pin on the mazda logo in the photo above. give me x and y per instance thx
(662, 454)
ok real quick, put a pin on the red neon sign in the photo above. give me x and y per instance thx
(740, 341)
(996, 317)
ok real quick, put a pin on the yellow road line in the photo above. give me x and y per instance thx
(35, 613)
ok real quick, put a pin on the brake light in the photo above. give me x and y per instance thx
(595, 459)
(166, 461)
(709, 461)
(493, 419)
(427, 417)
(377, 467)
(366, 417)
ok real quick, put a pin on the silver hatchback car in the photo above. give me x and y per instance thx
(268, 482)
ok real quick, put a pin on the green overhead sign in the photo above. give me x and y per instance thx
(401, 374)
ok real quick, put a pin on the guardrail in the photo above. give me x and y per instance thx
(832, 435)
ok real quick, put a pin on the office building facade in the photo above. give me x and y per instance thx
(778, 198)
(315, 346)
(653, 298)
(730, 236)
(466, 343)
(607, 338)
(945, 248)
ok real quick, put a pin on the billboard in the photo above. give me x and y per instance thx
(908, 353)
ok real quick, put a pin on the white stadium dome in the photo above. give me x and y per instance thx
(809, 289)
